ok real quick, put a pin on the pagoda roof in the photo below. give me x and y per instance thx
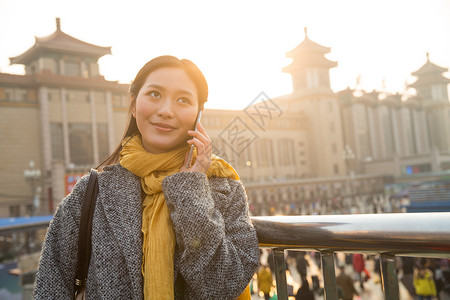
(60, 42)
(60, 80)
(307, 46)
(429, 68)
(309, 61)
(429, 80)
(412, 102)
(394, 98)
(370, 98)
(308, 54)
(346, 96)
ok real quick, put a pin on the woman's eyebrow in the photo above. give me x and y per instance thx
(186, 92)
(159, 87)
(154, 85)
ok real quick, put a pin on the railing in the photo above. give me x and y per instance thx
(413, 234)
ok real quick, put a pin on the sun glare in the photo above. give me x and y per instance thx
(241, 46)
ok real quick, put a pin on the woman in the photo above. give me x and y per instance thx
(264, 278)
(424, 283)
(162, 228)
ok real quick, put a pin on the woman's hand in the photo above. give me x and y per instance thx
(203, 144)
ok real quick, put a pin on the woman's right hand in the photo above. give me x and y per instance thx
(203, 144)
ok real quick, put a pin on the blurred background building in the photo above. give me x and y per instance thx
(312, 151)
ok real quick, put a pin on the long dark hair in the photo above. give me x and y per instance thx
(165, 61)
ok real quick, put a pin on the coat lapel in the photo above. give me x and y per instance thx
(122, 202)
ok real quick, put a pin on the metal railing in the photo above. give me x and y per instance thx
(389, 235)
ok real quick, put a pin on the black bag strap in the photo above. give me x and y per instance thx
(84, 237)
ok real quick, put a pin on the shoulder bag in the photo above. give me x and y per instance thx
(84, 237)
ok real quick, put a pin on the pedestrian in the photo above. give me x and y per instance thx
(345, 283)
(424, 283)
(359, 267)
(408, 264)
(302, 265)
(265, 280)
(304, 293)
(164, 227)
(445, 293)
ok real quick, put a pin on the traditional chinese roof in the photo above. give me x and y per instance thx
(393, 99)
(345, 96)
(429, 68)
(13, 79)
(62, 43)
(308, 54)
(61, 81)
(412, 102)
(429, 74)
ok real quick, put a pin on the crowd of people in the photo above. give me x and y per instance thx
(378, 203)
(425, 278)
(420, 278)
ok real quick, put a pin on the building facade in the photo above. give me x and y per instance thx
(399, 135)
(63, 116)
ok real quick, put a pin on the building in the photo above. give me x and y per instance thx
(313, 98)
(62, 115)
(398, 135)
(66, 118)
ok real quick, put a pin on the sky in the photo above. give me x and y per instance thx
(240, 45)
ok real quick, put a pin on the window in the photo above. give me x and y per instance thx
(312, 78)
(54, 95)
(80, 140)
(49, 64)
(31, 95)
(14, 211)
(119, 101)
(265, 158)
(103, 141)
(9, 94)
(286, 152)
(56, 66)
(57, 139)
(2, 93)
(86, 71)
(438, 92)
(21, 95)
(29, 210)
(77, 96)
(324, 78)
(425, 92)
(336, 169)
(72, 68)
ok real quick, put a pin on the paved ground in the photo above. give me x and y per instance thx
(372, 288)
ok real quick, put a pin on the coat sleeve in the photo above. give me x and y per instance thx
(56, 271)
(217, 241)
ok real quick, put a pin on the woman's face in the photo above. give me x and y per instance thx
(165, 109)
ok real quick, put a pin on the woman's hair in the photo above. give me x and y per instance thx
(165, 61)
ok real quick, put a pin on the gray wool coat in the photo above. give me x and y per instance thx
(216, 251)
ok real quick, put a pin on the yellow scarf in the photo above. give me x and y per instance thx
(158, 235)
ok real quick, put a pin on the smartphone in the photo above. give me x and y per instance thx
(199, 117)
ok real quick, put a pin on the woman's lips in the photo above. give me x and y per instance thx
(163, 127)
